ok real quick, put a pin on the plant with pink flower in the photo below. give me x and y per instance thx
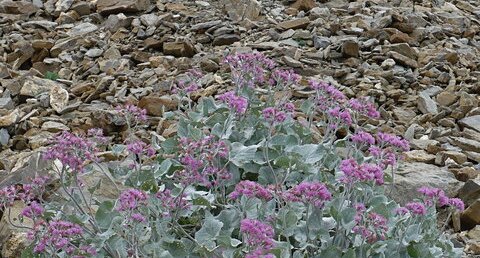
(251, 189)
(258, 237)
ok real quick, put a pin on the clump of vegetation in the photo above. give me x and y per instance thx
(245, 176)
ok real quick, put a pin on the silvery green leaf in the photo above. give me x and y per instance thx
(241, 154)
(207, 235)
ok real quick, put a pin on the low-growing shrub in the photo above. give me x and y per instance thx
(247, 175)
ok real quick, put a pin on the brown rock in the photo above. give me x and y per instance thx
(471, 216)
(156, 105)
(304, 5)
(419, 156)
(178, 49)
(41, 44)
(226, 39)
(456, 156)
(404, 60)
(350, 48)
(446, 98)
(470, 191)
(466, 144)
(466, 173)
(121, 6)
(17, 7)
(9, 119)
(300, 23)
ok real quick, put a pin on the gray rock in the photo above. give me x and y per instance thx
(94, 52)
(35, 86)
(63, 5)
(466, 144)
(4, 136)
(225, 39)
(121, 6)
(411, 176)
(150, 19)
(6, 103)
(426, 104)
(117, 21)
(82, 29)
(472, 122)
(239, 10)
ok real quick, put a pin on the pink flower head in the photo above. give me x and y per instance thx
(364, 107)
(393, 140)
(33, 210)
(132, 113)
(251, 189)
(362, 138)
(170, 203)
(371, 226)
(131, 199)
(200, 159)
(456, 203)
(314, 193)
(361, 172)
(257, 235)
(140, 148)
(237, 103)
(57, 235)
(72, 150)
(7, 196)
(274, 115)
(416, 208)
(249, 69)
(281, 77)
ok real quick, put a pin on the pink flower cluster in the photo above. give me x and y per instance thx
(248, 69)
(339, 116)
(282, 78)
(237, 103)
(169, 203)
(354, 172)
(201, 161)
(385, 139)
(132, 113)
(33, 210)
(362, 138)
(371, 226)
(97, 135)
(278, 114)
(131, 201)
(251, 189)
(7, 196)
(59, 235)
(140, 148)
(364, 107)
(435, 195)
(189, 85)
(258, 237)
(72, 151)
(416, 208)
(314, 193)
(327, 95)
(387, 148)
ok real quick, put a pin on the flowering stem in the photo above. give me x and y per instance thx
(445, 223)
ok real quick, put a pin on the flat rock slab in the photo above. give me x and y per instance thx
(412, 176)
(121, 6)
(472, 122)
